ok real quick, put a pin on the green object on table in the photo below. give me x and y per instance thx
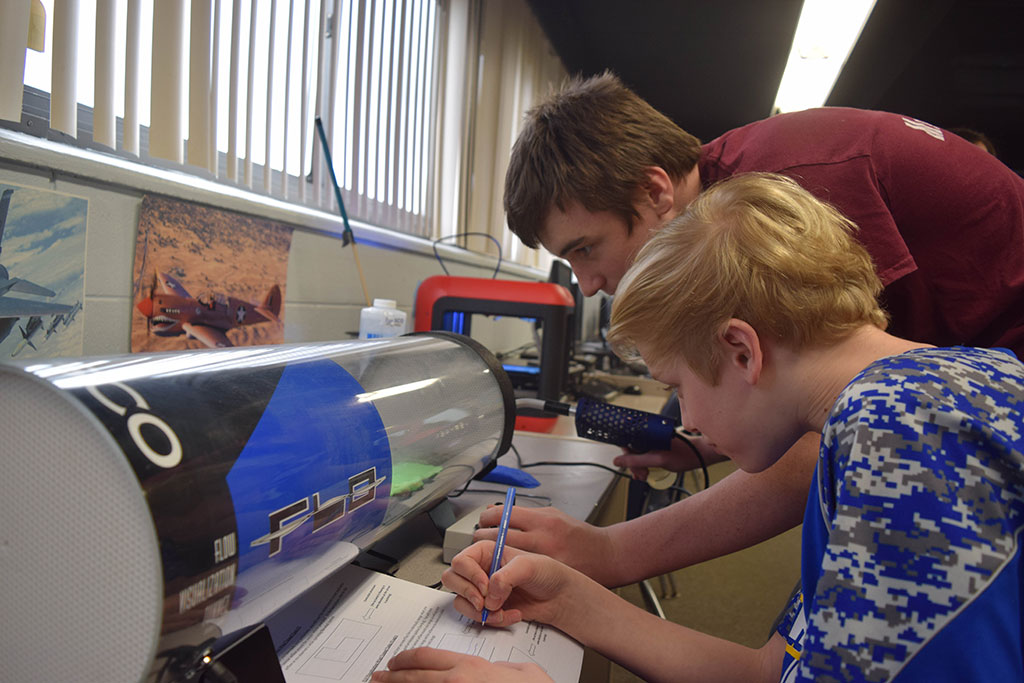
(407, 477)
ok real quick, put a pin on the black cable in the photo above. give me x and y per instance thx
(677, 489)
(519, 461)
(519, 458)
(461, 491)
(700, 458)
(501, 355)
(464, 234)
(590, 464)
(519, 494)
(673, 489)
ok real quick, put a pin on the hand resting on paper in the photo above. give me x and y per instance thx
(527, 586)
(429, 664)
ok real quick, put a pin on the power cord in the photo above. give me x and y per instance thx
(700, 458)
(519, 463)
(619, 473)
(519, 458)
(578, 464)
(497, 267)
(546, 500)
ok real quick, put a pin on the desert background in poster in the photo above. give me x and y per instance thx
(213, 254)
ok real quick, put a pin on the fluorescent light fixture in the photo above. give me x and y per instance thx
(825, 36)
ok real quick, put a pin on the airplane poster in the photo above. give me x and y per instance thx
(42, 272)
(207, 278)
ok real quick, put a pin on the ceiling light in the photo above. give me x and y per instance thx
(825, 35)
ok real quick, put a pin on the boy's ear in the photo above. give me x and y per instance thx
(741, 350)
(657, 191)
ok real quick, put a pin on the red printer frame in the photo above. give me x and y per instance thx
(550, 303)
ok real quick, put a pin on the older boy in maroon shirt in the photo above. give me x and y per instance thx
(596, 170)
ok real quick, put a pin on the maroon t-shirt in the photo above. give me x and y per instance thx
(942, 219)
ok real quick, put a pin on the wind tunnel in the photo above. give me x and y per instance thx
(154, 502)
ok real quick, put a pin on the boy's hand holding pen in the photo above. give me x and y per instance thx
(499, 546)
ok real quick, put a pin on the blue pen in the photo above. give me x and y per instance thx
(499, 546)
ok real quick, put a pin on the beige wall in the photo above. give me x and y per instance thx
(323, 295)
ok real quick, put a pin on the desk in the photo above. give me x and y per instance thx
(577, 491)
(589, 494)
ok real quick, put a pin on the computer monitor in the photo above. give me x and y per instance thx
(561, 274)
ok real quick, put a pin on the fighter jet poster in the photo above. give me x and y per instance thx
(42, 272)
(207, 278)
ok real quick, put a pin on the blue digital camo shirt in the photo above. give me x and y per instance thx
(911, 559)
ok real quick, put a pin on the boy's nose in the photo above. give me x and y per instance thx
(591, 284)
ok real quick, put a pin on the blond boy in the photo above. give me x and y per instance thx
(760, 308)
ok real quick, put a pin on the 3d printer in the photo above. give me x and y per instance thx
(449, 303)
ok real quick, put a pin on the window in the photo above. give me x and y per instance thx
(230, 90)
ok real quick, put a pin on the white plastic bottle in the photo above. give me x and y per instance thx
(383, 319)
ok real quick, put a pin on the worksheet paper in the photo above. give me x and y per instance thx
(351, 624)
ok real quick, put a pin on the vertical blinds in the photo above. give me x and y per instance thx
(229, 89)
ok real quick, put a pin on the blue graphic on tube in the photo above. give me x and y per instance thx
(316, 469)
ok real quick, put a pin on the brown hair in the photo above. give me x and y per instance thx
(975, 138)
(757, 247)
(590, 143)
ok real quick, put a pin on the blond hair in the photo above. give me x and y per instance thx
(757, 247)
